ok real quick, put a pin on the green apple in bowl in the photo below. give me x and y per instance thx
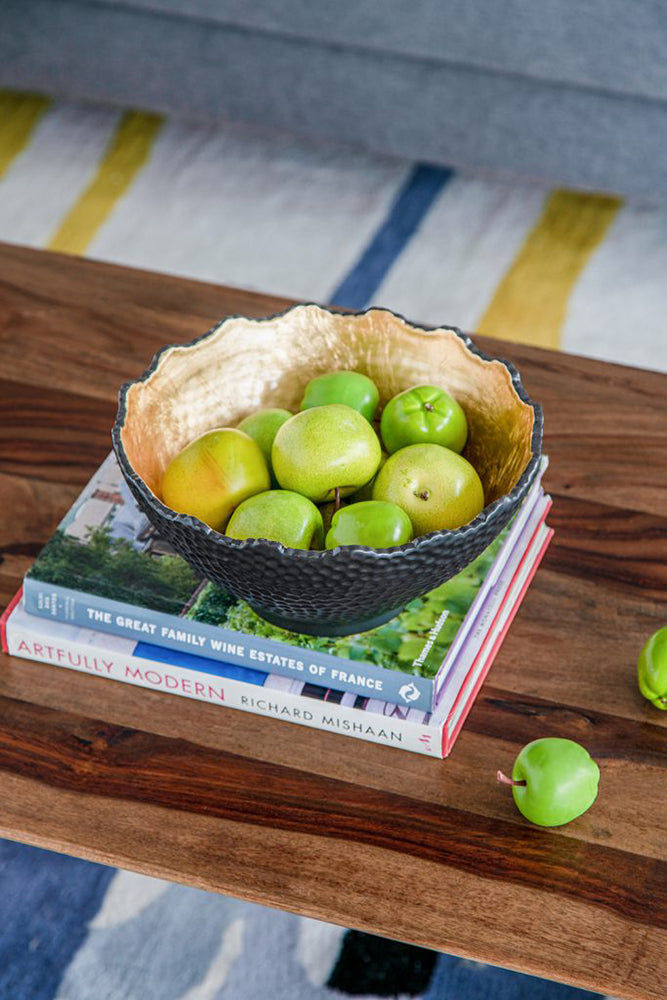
(278, 516)
(350, 388)
(423, 415)
(652, 669)
(553, 781)
(325, 452)
(263, 425)
(213, 474)
(436, 488)
(374, 523)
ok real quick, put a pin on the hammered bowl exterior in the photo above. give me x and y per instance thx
(331, 591)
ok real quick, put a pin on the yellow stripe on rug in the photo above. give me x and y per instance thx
(529, 306)
(127, 152)
(19, 116)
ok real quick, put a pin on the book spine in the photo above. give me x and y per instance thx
(534, 500)
(464, 652)
(468, 691)
(189, 683)
(103, 614)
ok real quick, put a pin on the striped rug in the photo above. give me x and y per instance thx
(560, 269)
(232, 205)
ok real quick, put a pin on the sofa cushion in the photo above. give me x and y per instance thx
(416, 109)
(609, 44)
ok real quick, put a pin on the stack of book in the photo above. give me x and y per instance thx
(106, 596)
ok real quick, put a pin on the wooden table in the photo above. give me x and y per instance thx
(420, 850)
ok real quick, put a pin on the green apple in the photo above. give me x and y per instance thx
(279, 516)
(262, 426)
(375, 523)
(212, 475)
(436, 488)
(423, 415)
(553, 781)
(366, 491)
(351, 388)
(325, 452)
(652, 669)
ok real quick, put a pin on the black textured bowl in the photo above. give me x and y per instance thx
(349, 589)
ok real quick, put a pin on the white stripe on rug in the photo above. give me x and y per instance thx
(44, 180)
(450, 270)
(317, 948)
(618, 309)
(231, 946)
(227, 204)
(128, 894)
(171, 945)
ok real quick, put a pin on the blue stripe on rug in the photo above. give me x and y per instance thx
(46, 901)
(410, 206)
(466, 980)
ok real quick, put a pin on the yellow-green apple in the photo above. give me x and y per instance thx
(325, 452)
(279, 516)
(436, 488)
(213, 474)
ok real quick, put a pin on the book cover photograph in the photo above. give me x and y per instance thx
(106, 568)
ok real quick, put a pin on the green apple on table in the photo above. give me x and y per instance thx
(374, 523)
(423, 415)
(347, 387)
(436, 488)
(553, 781)
(652, 669)
(325, 452)
(262, 426)
(213, 474)
(279, 516)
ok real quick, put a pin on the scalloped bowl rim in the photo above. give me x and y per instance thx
(324, 555)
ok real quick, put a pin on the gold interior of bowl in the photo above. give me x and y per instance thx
(248, 364)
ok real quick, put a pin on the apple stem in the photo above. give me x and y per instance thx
(336, 499)
(504, 780)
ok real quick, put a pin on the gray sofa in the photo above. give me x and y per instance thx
(570, 91)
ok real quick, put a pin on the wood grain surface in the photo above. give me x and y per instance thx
(420, 850)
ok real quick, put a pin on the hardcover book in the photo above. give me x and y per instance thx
(106, 569)
(290, 699)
